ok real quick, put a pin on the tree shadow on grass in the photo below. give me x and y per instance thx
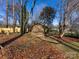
(60, 40)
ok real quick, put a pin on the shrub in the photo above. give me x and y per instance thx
(75, 35)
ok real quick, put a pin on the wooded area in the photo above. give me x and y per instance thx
(18, 12)
(55, 25)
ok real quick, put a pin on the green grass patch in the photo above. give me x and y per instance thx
(53, 32)
(75, 43)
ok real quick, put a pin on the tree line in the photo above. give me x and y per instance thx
(66, 9)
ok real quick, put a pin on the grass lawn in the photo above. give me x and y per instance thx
(75, 43)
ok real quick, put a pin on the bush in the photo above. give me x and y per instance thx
(53, 32)
(75, 35)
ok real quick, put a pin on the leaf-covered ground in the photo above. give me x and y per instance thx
(31, 47)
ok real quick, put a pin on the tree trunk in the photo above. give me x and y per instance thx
(21, 18)
(63, 27)
(14, 20)
(6, 13)
(21, 22)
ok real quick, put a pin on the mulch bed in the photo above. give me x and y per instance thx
(68, 39)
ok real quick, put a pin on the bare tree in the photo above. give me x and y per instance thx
(7, 13)
(67, 7)
(63, 23)
(21, 17)
(31, 14)
(14, 20)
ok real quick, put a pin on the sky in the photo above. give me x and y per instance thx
(40, 4)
